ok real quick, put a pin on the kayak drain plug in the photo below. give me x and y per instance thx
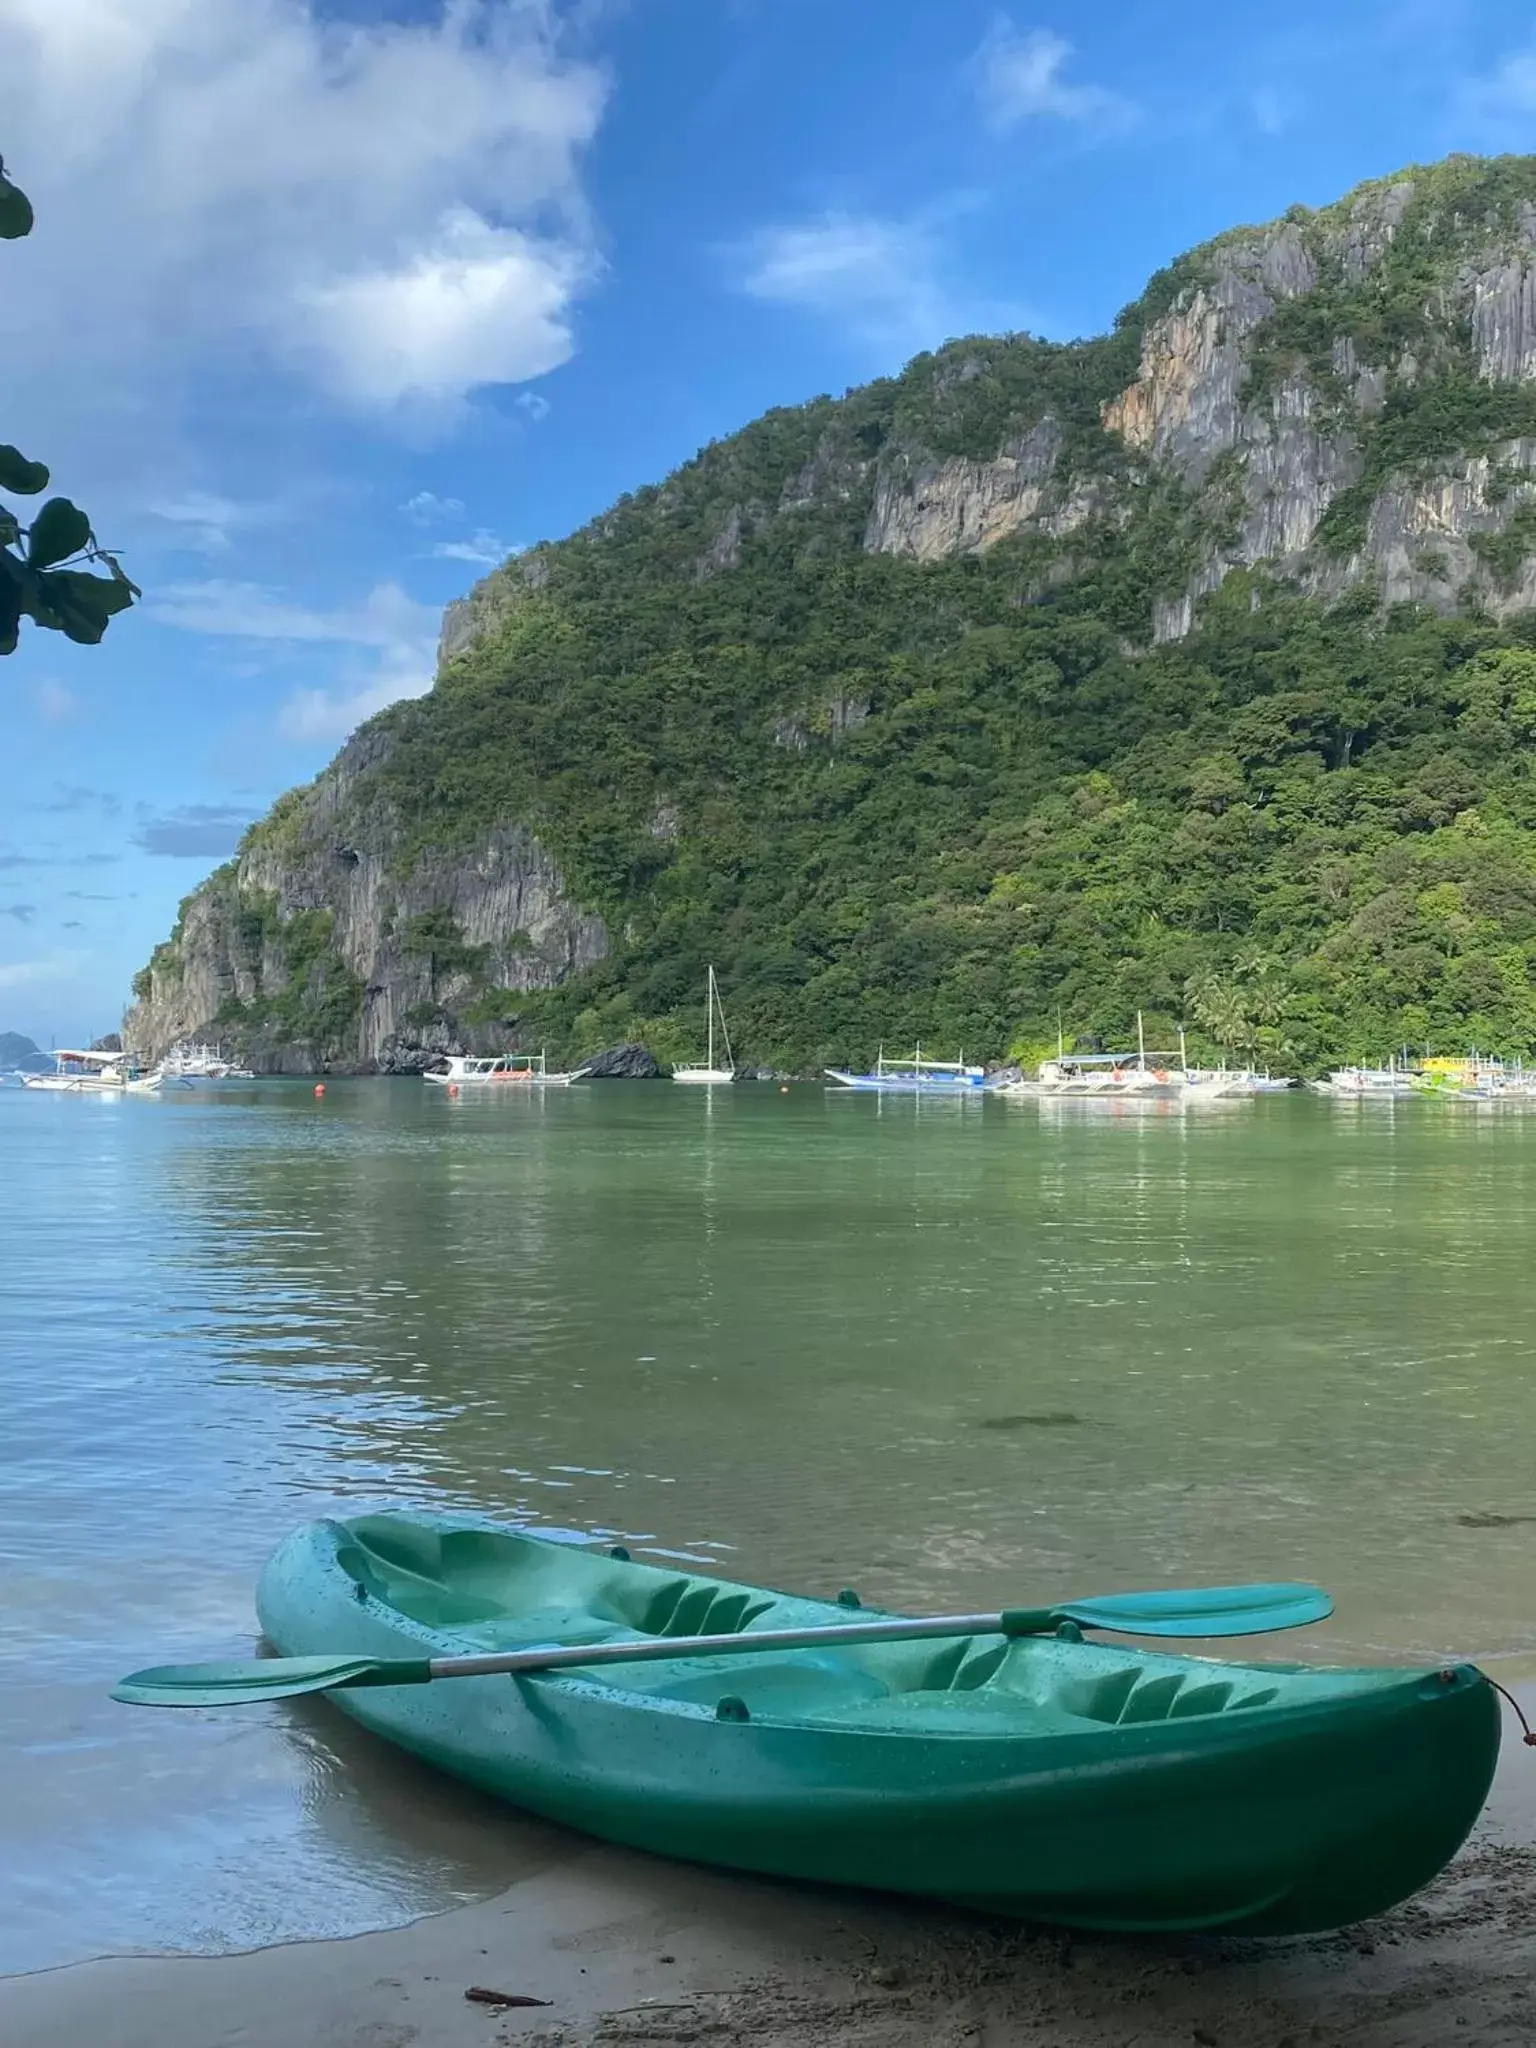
(732, 1709)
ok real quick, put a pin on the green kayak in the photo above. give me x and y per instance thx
(1069, 1781)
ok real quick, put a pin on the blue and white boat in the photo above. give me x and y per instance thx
(915, 1076)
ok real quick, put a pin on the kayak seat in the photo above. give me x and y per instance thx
(461, 1579)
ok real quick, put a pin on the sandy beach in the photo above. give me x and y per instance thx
(603, 1947)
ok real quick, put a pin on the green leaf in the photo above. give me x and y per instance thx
(15, 211)
(12, 573)
(59, 531)
(10, 528)
(17, 474)
(79, 604)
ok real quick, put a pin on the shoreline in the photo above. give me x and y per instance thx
(620, 1948)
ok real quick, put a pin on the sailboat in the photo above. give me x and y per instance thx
(709, 1072)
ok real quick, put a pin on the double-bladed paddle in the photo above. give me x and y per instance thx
(1206, 1611)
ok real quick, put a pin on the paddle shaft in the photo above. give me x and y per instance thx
(1015, 1621)
(1209, 1611)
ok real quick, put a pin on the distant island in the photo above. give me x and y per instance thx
(20, 1055)
(1188, 670)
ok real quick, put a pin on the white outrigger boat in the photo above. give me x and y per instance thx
(1367, 1084)
(502, 1070)
(1138, 1076)
(94, 1073)
(915, 1076)
(709, 1074)
(202, 1063)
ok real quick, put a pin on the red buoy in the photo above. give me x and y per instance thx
(319, 1087)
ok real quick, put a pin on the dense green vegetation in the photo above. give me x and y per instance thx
(1305, 832)
(961, 801)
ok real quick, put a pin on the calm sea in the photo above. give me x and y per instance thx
(956, 1354)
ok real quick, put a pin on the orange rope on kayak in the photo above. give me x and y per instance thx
(1519, 1710)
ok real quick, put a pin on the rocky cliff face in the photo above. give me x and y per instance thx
(319, 945)
(1343, 400)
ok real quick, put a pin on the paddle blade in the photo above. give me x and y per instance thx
(262, 1678)
(1204, 1611)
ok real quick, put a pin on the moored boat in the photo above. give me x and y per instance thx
(915, 1076)
(709, 1075)
(94, 1073)
(1367, 1084)
(1139, 1076)
(1047, 1777)
(467, 1070)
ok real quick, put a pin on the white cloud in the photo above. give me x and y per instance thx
(883, 279)
(477, 305)
(250, 611)
(1019, 78)
(56, 704)
(325, 717)
(391, 210)
(483, 549)
(428, 509)
(534, 404)
(48, 967)
(877, 275)
(398, 633)
(206, 524)
(1498, 108)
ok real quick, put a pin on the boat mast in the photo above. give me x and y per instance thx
(1141, 1044)
(725, 1032)
(709, 1020)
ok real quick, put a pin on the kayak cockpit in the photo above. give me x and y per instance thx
(493, 1589)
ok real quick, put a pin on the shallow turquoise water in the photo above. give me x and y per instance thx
(958, 1354)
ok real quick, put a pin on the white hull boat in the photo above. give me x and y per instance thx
(1139, 1076)
(505, 1071)
(93, 1073)
(709, 1075)
(915, 1076)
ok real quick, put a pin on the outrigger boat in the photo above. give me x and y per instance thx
(1475, 1079)
(1367, 1084)
(508, 1069)
(915, 1076)
(998, 1761)
(94, 1073)
(1131, 1076)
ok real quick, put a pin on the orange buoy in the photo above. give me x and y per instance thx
(319, 1087)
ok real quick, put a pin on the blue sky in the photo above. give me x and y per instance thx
(329, 307)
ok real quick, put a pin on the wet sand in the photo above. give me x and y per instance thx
(624, 1949)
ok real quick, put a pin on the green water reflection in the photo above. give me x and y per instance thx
(955, 1354)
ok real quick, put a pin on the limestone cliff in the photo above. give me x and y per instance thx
(1296, 353)
(318, 945)
(1341, 402)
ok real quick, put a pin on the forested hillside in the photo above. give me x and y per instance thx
(1189, 670)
